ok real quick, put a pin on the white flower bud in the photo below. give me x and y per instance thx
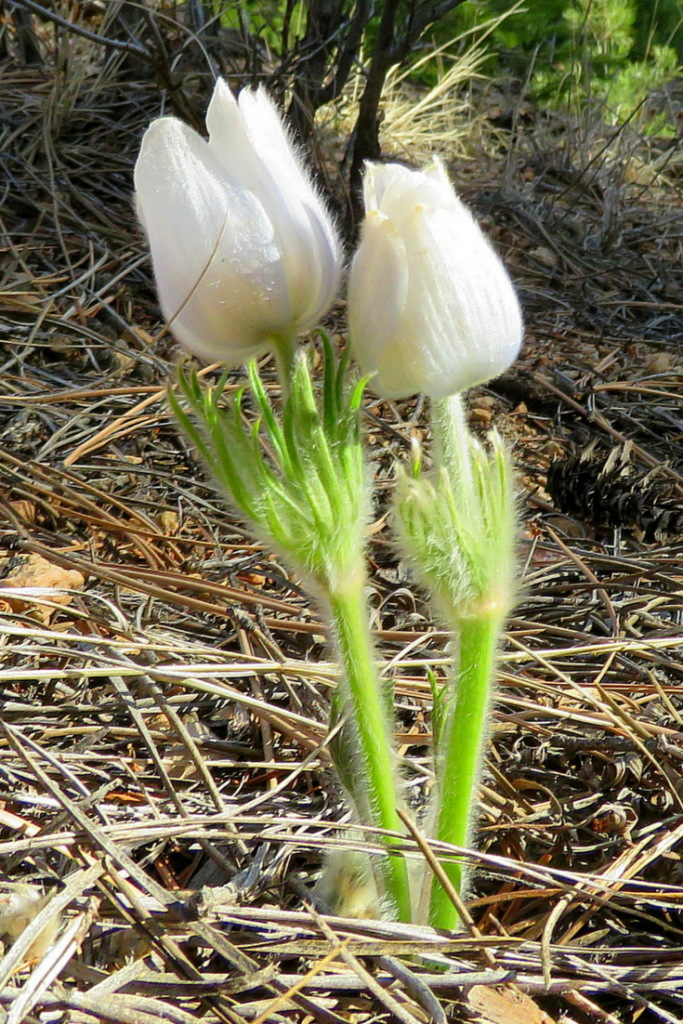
(431, 307)
(244, 250)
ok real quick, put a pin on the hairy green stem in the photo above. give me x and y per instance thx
(368, 721)
(285, 358)
(461, 749)
(452, 442)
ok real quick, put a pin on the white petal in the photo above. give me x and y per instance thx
(383, 179)
(378, 288)
(230, 143)
(319, 274)
(273, 145)
(470, 301)
(220, 277)
(309, 240)
(466, 322)
(242, 245)
(233, 130)
(393, 189)
(251, 142)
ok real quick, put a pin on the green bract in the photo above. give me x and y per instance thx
(308, 495)
(458, 526)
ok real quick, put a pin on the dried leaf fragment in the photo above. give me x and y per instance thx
(32, 570)
(504, 1005)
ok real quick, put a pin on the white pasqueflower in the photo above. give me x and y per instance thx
(244, 250)
(431, 307)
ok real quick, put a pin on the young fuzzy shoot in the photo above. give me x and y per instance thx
(348, 887)
(431, 307)
(20, 904)
(245, 254)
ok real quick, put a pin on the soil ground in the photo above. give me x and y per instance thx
(164, 690)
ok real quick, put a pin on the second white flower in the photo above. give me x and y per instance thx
(431, 307)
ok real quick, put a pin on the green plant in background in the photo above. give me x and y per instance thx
(658, 23)
(631, 86)
(611, 53)
(276, 25)
(608, 24)
(597, 63)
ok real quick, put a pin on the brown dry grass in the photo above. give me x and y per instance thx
(164, 683)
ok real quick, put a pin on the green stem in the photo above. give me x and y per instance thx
(285, 358)
(452, 442)
(461, 750)
(368, 720)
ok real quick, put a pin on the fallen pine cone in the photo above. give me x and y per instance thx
(612, 490)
